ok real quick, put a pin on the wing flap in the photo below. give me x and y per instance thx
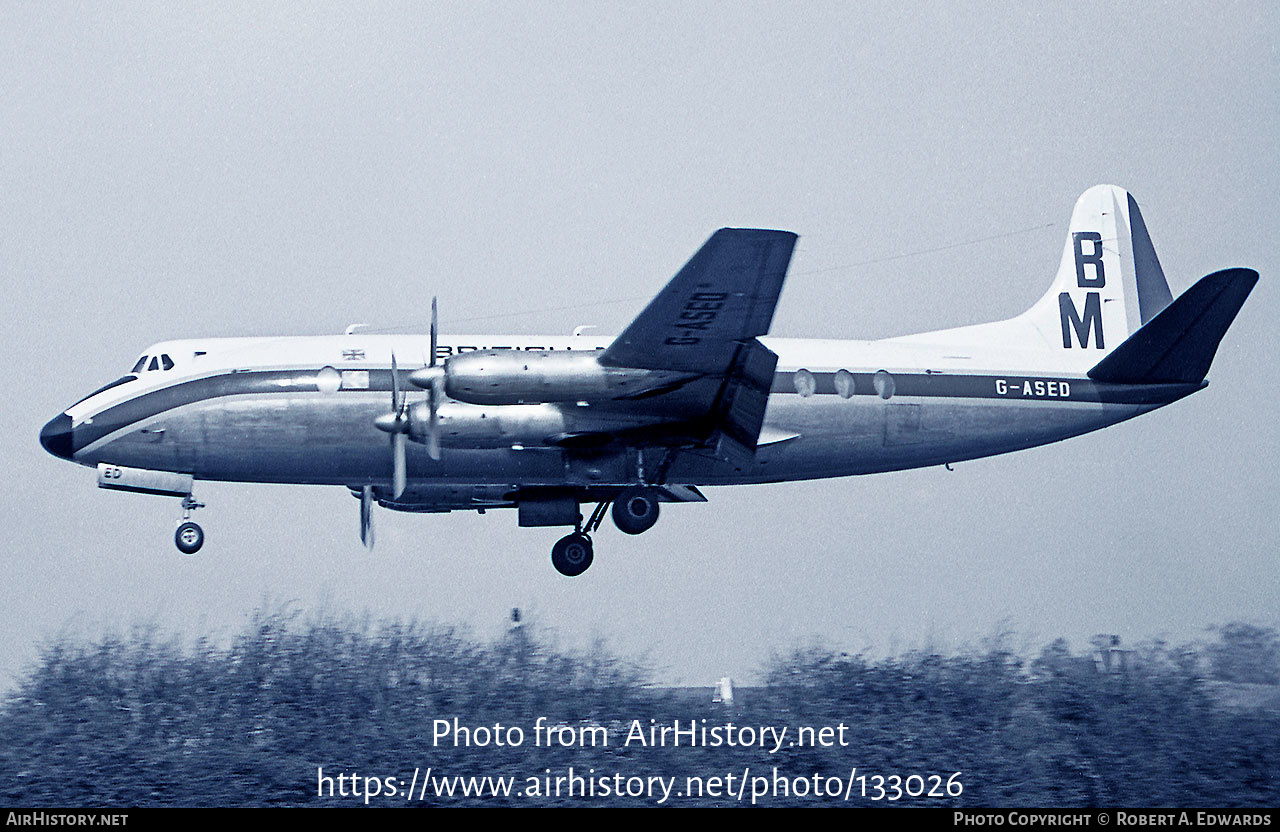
(738, 412)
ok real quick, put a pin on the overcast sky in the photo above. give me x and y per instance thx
(177, 170)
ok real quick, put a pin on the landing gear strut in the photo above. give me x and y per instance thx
(189, 537)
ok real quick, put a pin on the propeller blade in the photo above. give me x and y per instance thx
(435, 330)
(395, 387)
(397, 421)
(399, 475)
(432, 378)
(434, 394)
(366, 516)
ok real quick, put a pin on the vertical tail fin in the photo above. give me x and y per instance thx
(1109, 284)
(1109, 281)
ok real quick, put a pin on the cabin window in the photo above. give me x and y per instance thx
(805, 383)
(844, 383)
(328, 380)
(883, 382)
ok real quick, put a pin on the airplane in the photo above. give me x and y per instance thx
(693, 393)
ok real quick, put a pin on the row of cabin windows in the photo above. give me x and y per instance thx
(153, 362)
(806, 385)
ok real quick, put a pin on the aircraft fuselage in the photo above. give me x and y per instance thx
(260, 410)
(692, 393)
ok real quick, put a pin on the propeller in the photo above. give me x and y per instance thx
(396, 423)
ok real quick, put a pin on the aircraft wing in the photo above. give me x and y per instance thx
(722, 298)
(705, 322)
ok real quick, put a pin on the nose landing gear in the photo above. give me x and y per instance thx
(189, 537)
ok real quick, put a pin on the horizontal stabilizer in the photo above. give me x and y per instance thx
(1178, 344)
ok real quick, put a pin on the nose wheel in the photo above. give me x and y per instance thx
(189, 537)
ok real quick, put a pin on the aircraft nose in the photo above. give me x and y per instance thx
(55, 436)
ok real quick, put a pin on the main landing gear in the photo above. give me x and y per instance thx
(634, 511)
(189, 537)
(572, 554)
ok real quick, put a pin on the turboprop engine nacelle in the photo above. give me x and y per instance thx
(535, 377)
(469, 426)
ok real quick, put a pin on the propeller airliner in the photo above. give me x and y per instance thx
(693, 393)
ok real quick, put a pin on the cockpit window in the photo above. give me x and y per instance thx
(160, 361)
